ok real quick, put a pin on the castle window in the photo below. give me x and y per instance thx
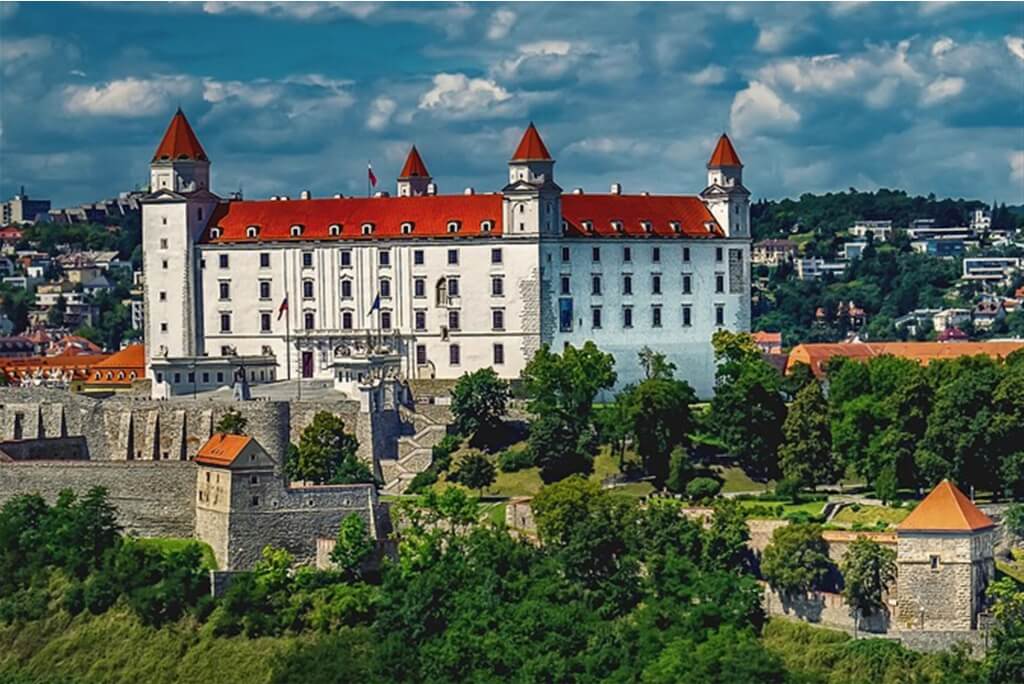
(719, 314)
(385, 288)
(453, 257)
(627, 255)
(307, 289)
(565, 255)
(384, 257)
(646, 225)
(163, 243)
(687, 284)
(255, 501)
(367, 229)
(252, 231)
(486, 226)
(588, 226)
(627, 317)
(419, 287)
(687, 315)
(420, 319)
(656, 284)
(308, 321)
(417, 257)
(655, 316)
(346, 320)
(385, 320)
(346, 258)
(595, 285)
(215, 233)
(163, 296)
(719, 283)
(934, 562)
(264, 289)
(499, 354)
(686, 253)
(254, 479)
(421, 354)
(264, 259)
(566, 285)
(676, 226)
(406, 228)
(222, 260)
(453, 226)
(656, 255)
(453, 319)
(497, 319)
(307, 260)
(617, 226)
(595, 254)
(225, 322)
(264, 322)
(163, 326)
(718, 253)
(496, 255)
(224, 290)
(497, 286)
(334, 230)
(595, 318)
(627, 285)
(296, 230)
(346, 289)
(454, 355)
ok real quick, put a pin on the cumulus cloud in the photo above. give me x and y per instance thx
(459, 96)
(772, 38)
(758, 108)
(12, 50)
(297, 95)
(1016, 159)
(501, 23)
(298, 11)
(127, 97)
(942, 46)
(1015, 45)
(543, 60)
(381, 111)
(712, 74)
(941, 89)
(820, 73)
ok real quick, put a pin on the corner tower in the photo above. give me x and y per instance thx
(414, 178)
(945, 560)
(532, 205)
(725, 196)
(174, 216)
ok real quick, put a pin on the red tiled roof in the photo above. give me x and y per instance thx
(222, 449)
(121, 368)
(817, 355)
(414, 166)
(531, 147)
(660, 211)
(765, 337)
(429, 215)
(79, 365)
(946, 509)
(180, 142)
(724, 154)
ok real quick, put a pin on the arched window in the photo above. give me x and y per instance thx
(617, 226)
(334, 230)
(407, 228)
(588, 226)
(486, 226)
(646, 225)
(676, 226)
(215, 233)
(453, 226)
(252, 231)
(367, 229)
(296, 230)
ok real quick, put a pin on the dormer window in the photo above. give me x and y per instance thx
(588, 226)
(646, 225)
(334, 230)
(710, 226)
(296, 230)
(486, 226)
(215, 233)
(367, 229)
(453, 226)
(617, 226)
(252, 231)
(407, 228)
(676, 226)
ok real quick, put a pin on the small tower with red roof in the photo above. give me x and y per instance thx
(180, 163)
(725, 196)
(532, 198)
(414, 179)
(946, 560)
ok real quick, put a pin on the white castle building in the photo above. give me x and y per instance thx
(426, 285)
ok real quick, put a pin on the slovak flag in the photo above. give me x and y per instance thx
(283, 308)
(375, 306)
(369, 174)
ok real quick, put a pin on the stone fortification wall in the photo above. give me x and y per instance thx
(932, 641)
(822, 608)
(46, 449)
(153, 499)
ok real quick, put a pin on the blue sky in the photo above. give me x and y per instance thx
(286, 97)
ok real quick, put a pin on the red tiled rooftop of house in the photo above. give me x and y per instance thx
(222, 449)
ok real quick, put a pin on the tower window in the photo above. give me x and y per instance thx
(307, 260)
(496, 255)
(627, 317)
(595, 285)
(686, 253)
(419, 288)
(718, 253)
(453, 319)
(595, 318)
(499, 354)
(420, 319)
(627, 255)
(595, 254)
(308, 320)
(264, 322)
(719, 314)
(687, 284)
(498, 319)
(565, 282)
(656, 284)
(385, 288)
(346, 320)
(565, 255)
(454, 355)
(307, 289)
(225, 322)
(346, 289)
(655, 316)
(385, 320)
(264, 289)
(627, 285)
(346, 258)
(384, 257)
(497, 286)
(421, 354)
(222, 260)
(224, 290)
(163, 243)
(687, 315)
(656, 255)
(719, 283)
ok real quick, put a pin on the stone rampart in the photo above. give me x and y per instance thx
(153, 499)
(822, 608)
(47, 449)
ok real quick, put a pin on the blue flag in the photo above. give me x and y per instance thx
(375, 306)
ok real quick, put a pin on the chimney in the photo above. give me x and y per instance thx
(577, 191)
(431, 188)
(616, 189)
(304, 194)
(469, 191)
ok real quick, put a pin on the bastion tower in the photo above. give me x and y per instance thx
(174, 215)
(946, 560)
(725, 196)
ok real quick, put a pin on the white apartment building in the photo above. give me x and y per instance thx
(881, 230)
(991, 269)
(425, 285)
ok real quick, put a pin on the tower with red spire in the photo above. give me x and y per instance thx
(725, 196)
(532, 204)
(180, 163)
(414, 179)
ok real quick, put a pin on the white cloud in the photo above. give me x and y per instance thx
(820, 73)
(759, 108)
(942, 46)
(501, 23)
(941, 89)
(882, 94)
(127, 97)
(1016, 159)
(25, 48)
(546, 59)
(302, 95)
(459, 96)
(298, 11)
(610, 146)
(772, 38)
(381, 110)
(712, 74)
(1015, 45)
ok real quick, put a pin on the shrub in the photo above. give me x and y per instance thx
(422, 482)
(703, 488)
(516, 459)
(788, 489)
(1015, 519)
(680, 471)
(443, 450)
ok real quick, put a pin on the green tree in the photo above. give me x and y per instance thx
(1004, 663)
(868, 570)
(725, 539)
(796, 560)
(475, 471)
(660, 418)
(680, 471)
(232, 422)
(479, 401)
(327, 454)
(353, 545)
(806, 454)
(727, 656)
(748, 410)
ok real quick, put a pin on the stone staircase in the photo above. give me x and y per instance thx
(415, 451)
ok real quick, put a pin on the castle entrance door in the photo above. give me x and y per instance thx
(307, 364)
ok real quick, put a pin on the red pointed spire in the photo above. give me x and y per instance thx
(180, 142)
(724, 154)
(414, 166)
(531, 147)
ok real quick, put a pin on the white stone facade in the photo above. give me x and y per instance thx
(464, 282)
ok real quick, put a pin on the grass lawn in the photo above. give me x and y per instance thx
(869, 516)
(735, 480)
(809, 507)
(1014, 568)
(169, 544)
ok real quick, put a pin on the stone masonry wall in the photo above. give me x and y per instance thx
(821, 608)
(939, 598)
(153, 499)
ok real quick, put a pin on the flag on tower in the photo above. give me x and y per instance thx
(375, 306)
(284, 307)
(369, 174)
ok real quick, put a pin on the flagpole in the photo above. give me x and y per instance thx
(368, 167)
(287, 321)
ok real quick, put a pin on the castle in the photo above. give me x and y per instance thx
(425, 285)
